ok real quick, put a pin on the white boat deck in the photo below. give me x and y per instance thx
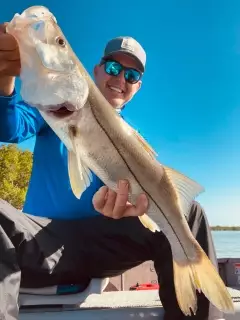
(116, 305)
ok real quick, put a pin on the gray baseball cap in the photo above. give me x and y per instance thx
(129, 46)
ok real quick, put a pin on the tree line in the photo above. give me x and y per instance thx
(225, 228)
(15, 171)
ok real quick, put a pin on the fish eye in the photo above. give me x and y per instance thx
(61, 42)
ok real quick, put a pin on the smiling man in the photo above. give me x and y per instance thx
(82, 238)
(120, 54)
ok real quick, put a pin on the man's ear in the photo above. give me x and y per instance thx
(139, 85)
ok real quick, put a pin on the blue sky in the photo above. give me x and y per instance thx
(189, 104)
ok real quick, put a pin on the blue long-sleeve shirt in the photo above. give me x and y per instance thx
(49, 193)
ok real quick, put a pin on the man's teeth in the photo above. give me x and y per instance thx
(116, 89)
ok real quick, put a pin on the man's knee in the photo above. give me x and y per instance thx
(197, 219)
(196, 213)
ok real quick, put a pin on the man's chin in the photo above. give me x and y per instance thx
(116, 103)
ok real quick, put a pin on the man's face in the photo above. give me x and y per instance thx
(115, 88)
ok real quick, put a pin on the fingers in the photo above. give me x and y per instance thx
(7, 42)
(110, 203)
(10, 68)
(110, 199)
(115, 204)
(121, 199)
(139, 209)
(3, 27)
(9, 54)
(99, 199)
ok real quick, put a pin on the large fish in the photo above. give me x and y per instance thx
(100, 141)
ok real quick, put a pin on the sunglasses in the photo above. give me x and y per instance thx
(114, 68)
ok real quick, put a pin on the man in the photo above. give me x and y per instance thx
(84, 238)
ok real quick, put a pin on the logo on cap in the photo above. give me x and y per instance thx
(128, 44)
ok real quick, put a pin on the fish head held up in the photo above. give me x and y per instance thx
(51, 79)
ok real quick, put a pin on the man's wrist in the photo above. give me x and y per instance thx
(7, 84)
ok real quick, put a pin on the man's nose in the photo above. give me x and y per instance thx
(121, 77)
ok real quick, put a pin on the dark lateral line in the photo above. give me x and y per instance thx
(137, 179)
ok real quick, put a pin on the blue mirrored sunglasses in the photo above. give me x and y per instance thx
(114, 68)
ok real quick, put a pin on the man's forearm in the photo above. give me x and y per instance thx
(6, 85)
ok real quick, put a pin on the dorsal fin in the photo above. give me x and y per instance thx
(144, 144)
(186, 189)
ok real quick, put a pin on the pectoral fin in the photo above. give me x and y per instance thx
(79, 174)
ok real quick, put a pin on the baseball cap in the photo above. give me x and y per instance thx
(129, 46)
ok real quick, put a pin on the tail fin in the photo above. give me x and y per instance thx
(200, 275)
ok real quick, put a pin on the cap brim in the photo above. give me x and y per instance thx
(140, 65)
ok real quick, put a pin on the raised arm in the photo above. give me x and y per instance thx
(18, 121)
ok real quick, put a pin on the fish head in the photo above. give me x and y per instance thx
(50, 77)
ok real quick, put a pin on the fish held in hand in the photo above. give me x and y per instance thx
(98, 140)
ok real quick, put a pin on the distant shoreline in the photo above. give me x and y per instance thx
(225, 228)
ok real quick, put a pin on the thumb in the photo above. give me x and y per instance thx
(3, 27)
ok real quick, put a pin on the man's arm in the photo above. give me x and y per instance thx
(18, 121)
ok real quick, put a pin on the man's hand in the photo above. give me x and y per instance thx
(9, 61)
(115, 204)
(9, 54)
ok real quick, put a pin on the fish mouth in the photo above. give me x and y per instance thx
(62, 110)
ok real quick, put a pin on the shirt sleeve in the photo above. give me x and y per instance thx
(18, 120)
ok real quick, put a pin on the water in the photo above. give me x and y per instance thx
(227, 243)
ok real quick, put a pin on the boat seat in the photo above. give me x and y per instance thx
(60, 295)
